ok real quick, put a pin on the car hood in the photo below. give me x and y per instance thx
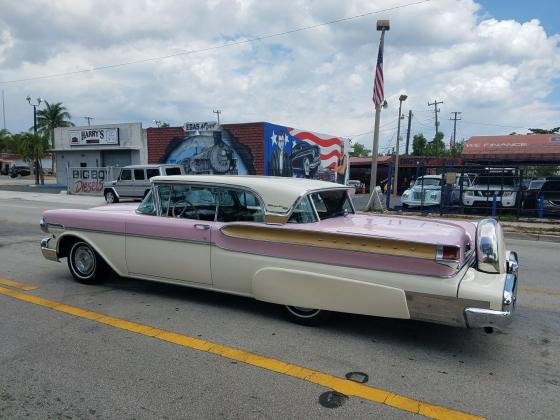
(491, 187)
(418, 188)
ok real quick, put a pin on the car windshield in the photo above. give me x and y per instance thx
(506, 179)
(427, 182)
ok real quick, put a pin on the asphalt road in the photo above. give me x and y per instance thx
(57, 365)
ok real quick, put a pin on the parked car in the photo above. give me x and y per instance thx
(298, 243)
(549, 189)
(356, 184)
(306, 158)
(134, 181)
(426, 191)
(499, 182)
(19, 170)
(531, 194)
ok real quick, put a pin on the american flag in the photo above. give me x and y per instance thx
(378, 84)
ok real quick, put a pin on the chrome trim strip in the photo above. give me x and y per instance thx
(49, 253)
(68, 231)
(447, 310)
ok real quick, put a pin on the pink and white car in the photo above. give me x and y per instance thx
(298, 243)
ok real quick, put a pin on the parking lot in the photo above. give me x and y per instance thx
(134, 349)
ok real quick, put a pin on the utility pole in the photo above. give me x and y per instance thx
(436, 110)
(402, 98)
(408, 130)
(88, 119)
(217, 112)
(455, 119)
(3, 110)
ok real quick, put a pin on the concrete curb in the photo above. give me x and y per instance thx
(532, 237)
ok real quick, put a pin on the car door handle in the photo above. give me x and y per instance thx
(201, 227)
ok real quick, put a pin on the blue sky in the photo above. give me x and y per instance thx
(546, 11)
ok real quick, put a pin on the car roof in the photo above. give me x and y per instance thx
(279, 193)
(150, 166)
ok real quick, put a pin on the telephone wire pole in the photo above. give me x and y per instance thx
(455, 119)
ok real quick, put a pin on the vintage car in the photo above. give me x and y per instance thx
(426, 191)
(306, 158)
(294, 242)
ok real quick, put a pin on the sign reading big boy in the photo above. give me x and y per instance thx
(94, 137)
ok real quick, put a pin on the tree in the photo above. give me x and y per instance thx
(51, 117)
(5, 140)
(359, 150)
(457, 149)
(32, 148)
(436, 147)
(544, 131)
(419, 145)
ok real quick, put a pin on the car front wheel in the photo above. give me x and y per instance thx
(306, 316)
(111, 197)
(86, 266)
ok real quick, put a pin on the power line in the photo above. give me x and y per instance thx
(215, 47)
(494, 125)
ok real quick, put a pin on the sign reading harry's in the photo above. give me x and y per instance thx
(94, 137)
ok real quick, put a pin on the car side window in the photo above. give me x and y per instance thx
(238, 206)
(139, 175)
(152, 172)
(303, 212)
(147, 206)
(187, 202)
(172, 171)
(126, 175)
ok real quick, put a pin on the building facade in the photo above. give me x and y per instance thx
(97, 146)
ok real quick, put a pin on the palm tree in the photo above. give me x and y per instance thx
(51, 117)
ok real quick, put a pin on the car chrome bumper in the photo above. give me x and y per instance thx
(481, 318)
(48, 252)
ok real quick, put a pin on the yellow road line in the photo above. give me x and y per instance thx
(344, 386)
(548, 292)
(11, 283)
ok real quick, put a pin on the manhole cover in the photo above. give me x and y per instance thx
(359, 377)
(332, 399)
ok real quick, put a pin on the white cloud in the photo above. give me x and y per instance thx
(495, 72)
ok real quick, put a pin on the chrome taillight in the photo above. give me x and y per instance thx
(448, 253)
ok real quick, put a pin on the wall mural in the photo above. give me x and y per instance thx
(210, 152)
(303, 154)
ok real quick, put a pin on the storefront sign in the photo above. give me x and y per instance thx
(94, 137)
(201, 126)
(87, 180)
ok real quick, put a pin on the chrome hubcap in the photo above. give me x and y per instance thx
(84, 260)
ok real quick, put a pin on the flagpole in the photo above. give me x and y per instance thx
(382, 25)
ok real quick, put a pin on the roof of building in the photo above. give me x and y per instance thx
(529, 147)
(278, 193)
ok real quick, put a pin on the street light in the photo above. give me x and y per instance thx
(402, 98)
(382, 25)
(39, 100)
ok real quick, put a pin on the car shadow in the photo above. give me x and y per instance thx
(376, 330)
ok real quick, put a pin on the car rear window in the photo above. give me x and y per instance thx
(172, 171)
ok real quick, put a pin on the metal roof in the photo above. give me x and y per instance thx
(529, 147)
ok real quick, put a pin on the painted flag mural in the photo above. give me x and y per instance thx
(299, 153)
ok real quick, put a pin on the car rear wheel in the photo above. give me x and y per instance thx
(111, 197)
(306, 316)
(86, 266)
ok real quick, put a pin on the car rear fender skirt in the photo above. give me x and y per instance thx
(312, 290)
(108, 246)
